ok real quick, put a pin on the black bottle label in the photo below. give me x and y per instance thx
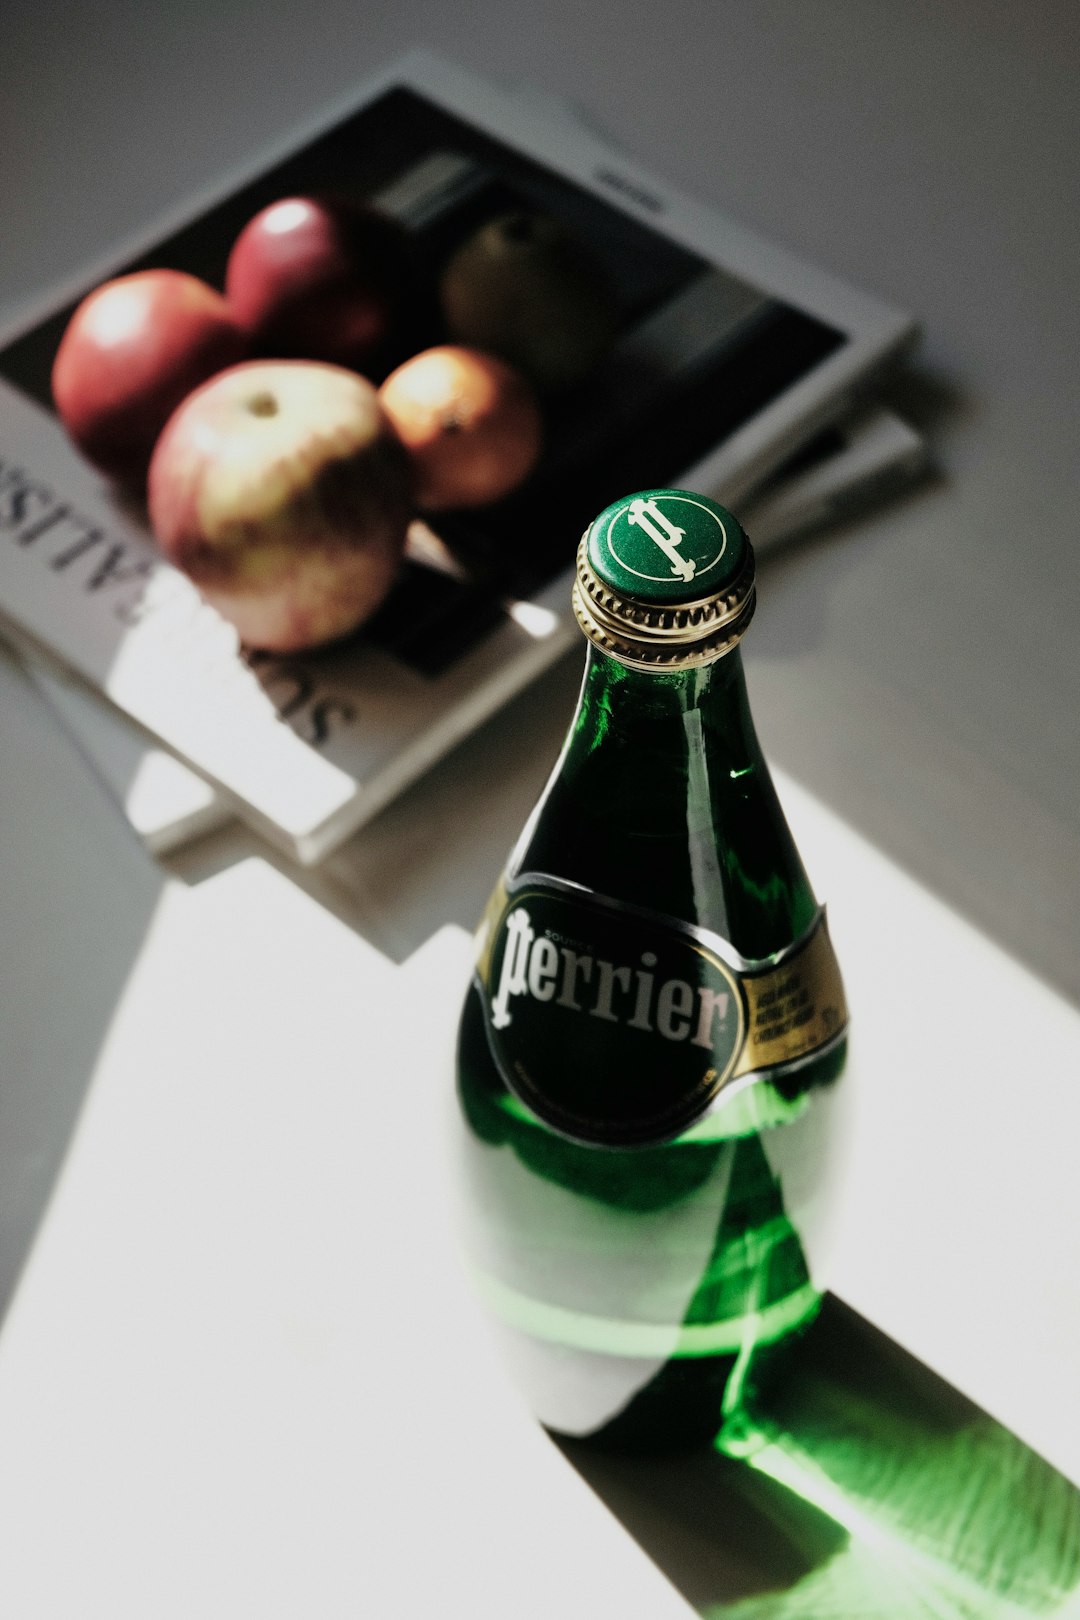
(619, 1026)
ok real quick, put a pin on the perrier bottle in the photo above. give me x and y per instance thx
(650, 1048)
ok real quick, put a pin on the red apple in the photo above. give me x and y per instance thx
(320, 279)
(131, 352)
(470, 423)
(281, 489)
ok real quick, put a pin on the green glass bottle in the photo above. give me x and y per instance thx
(650, 1048)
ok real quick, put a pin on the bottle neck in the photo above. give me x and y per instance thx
(629, 709)
(662, 799)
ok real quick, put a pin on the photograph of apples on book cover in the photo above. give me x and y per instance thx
(695, 352)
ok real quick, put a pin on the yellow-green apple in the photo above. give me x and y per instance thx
(133, 349)
(322, 279)
(526, 287)
(470, 423)
(281, 489)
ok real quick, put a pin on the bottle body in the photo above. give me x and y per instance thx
(644, 1165)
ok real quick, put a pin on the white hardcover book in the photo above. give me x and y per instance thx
(165, 801)
(844, 472)
(730, 354)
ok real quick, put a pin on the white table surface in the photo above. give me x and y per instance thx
(915, 670)
(240, 1375)
(241, 1330)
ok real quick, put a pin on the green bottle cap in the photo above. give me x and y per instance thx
(666, 545)
(665, 579)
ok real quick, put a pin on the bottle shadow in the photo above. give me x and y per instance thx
(863, 1486)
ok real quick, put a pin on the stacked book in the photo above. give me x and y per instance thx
(737, 369)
